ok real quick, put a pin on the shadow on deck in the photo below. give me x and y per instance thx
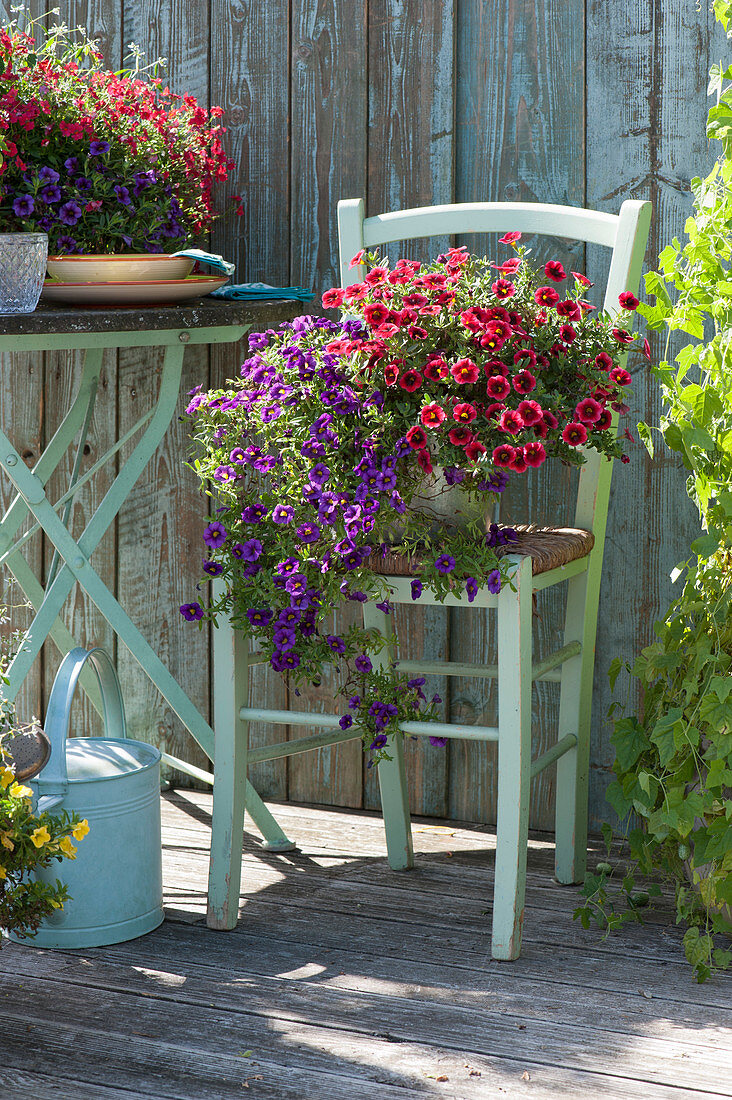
(345, 980)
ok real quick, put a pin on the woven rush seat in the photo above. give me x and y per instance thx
(548, 548)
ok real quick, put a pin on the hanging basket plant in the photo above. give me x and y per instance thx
(339, 437)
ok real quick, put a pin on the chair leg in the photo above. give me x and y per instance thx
(514, 762)
(392, 773)
(575, 704)
(231, 692)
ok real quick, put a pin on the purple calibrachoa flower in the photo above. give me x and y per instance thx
(23, 206)
(282, 513)
(191, 611)
(259, 616)
(48, 175)
(99, 148)
(254, 513)
(319, 474)
(354, 702)
(297, 584)
(416, 587)
(445, 563)
(213, 568)
(493, 582)
(345, 722)
(363, 663)
(214, 535)
(51, 193)
(225, 473)
(471, 588)
(378, 742)
(336, 643)
(69, 213)
(66, 244)
(438, 742)
(284, 637)
(308, 531)
(251, 550)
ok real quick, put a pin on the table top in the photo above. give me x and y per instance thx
(197, 313)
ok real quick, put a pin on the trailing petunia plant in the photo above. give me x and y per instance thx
(342, 439)
(100, 161)
(674, 758)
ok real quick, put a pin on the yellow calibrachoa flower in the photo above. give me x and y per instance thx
(67, 847)
(7, 776)
(6, 842)
(79, 831)
(40, 836)
(3, 872)
(19, 791)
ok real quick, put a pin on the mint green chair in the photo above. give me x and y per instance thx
(574, 559)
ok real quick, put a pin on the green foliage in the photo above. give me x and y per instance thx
(674, 761)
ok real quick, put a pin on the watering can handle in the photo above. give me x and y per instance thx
(58, 713)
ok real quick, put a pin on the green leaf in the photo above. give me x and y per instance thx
(630, 741)
(613, 672)
(617, 799)
(706, 545)
(645, 434)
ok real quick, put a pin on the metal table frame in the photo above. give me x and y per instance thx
(71, 564)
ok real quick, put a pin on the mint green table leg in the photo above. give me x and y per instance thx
(78, 568)
(392, 773)
(514, 761)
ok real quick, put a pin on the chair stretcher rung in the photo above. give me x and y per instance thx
(188, 769)
(301, 744)
(563, 745)
(543, 670)
(332, 721)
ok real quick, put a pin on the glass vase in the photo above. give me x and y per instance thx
(22, 270)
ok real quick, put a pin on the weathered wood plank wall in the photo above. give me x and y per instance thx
(584, 102)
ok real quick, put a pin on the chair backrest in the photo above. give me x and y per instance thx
(626, 234)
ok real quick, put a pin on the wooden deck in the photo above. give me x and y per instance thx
(345, 981)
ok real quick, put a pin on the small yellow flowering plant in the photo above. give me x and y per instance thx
(27, 843)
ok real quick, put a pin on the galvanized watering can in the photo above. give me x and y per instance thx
(115, 882)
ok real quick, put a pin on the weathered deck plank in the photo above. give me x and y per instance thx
(345, 980)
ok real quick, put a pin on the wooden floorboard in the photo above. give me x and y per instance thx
(345, 980)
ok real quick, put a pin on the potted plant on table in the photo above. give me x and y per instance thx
(104, 163)
(328, 449)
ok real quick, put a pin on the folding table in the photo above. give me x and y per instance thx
(52, 328)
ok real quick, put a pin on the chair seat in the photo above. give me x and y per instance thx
(548, 548)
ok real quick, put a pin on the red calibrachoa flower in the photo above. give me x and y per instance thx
(554, 270)
(575, 434)
(503, 288)
(628, 301)
(464, 371)
(410, 381)
(524, 381)
(432, 415)
(534, 453)
(464, 413)
(503, 456)
(589, 411)
(460, 436)
(621, 376)
(498, 387)
(436, 369)
(416, 438)
(546, 296)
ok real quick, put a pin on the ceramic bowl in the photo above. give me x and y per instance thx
(118, 269)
